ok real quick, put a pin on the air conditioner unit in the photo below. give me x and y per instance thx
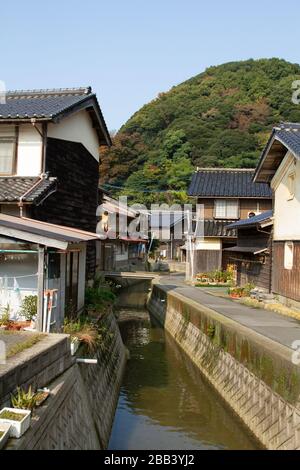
(253, 214)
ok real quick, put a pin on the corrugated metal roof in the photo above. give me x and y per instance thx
(255, 250)
(13, 187)
(25, 229)
(251, 221)
(213, 182)
(217, 228)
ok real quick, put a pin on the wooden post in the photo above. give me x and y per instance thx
(40, 302)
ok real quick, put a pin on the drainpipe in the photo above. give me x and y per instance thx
(43, 135)
(35, 185)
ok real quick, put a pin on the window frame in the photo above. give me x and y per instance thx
(227, 200)
(288, 263)
(14, 139)
(291, 177)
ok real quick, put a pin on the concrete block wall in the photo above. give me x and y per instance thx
(246, 385)
(37, 366)
(79, 413)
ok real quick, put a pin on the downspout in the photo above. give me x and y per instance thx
(21, 198)
(43, 135)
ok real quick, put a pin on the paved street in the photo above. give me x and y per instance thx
(282, 329)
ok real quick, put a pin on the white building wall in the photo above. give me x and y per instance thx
(77, 128)
(286, 209)
(29, 158)
(209, 244)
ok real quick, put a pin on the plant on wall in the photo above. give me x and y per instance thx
(24, 400)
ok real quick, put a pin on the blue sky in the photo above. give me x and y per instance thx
(131, 50)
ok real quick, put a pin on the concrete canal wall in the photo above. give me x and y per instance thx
(79, 412)
(253, 374)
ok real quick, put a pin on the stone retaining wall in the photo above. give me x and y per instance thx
(253, 374)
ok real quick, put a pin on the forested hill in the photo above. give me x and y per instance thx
(221, 117)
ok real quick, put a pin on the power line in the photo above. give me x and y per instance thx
(140, 190)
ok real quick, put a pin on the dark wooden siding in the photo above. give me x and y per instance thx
(254, 269)
(286, 282)
(75, 202)
(207, 260)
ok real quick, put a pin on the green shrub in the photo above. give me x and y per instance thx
(29, 307)
(99, 296)
(5, 316)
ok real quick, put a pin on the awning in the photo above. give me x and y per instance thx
(42, 233)
(133, 240)
(255, 250)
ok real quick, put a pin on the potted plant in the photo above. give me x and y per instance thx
(236, 292)
(29, 309)
(4, 434)
(19, 420)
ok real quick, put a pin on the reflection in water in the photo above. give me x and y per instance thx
(164, 402)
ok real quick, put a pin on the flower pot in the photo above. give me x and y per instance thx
(5, 429)
(235, 296)
(17, 428)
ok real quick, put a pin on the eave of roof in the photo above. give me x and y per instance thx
(44, 233)
(288, 137)
(255, 250)
(252, 221)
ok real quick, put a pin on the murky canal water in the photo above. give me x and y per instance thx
(164, 402)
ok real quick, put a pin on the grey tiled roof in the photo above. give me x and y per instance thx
(227, 183)
(251, 221)
(41, 103)
(12, 188)
(50, 105)
(288, 133)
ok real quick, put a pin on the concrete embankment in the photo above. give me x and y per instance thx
(80, 410)
(254, 374)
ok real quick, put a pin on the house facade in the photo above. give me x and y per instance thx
(279, 166)
(118, 251)
(49, 157)
(252, 254)
(34, 262)
(49, 168)
(226, 196)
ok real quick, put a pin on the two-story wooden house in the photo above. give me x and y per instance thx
(226, 196)
(49, 167)
(279, 166)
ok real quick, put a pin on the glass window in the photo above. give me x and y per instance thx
(226, 209)
(7, 150)
(288, 255)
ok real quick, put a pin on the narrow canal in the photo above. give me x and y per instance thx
(164, 402)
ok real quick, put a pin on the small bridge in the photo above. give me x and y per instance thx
(131, 275)
(135, 287)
